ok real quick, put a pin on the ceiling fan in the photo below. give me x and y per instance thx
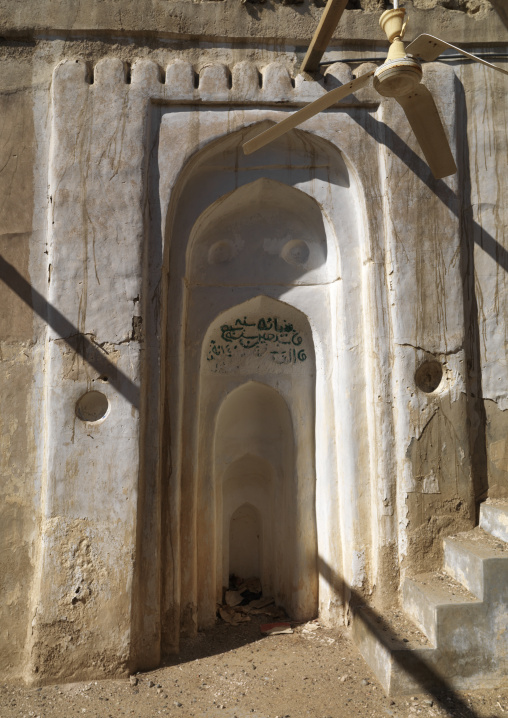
(398, 77)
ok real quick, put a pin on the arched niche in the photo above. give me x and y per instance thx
(245, 542)
(262, 233)
(254, 463)
(299, 187)
(254, 419)
(299, 161)
(249, 480)
(256, 446)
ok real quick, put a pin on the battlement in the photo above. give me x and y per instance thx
(244, 82)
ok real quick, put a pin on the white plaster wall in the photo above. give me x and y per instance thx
(91, 471)
(425, 290)
(379, 567)
(30, 443)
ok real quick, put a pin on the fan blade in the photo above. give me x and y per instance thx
(428, 48)
(329, 21)
(313, 108)
(421, 111)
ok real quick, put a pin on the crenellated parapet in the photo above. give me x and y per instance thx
(244, 82)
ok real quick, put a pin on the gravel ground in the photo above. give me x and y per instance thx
(235, 672)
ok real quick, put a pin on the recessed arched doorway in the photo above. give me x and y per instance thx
(256, 446)
(255, 315)
(245, 542)
(248, 481)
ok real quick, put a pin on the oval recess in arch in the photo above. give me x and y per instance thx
(221, 252)
(296, 252)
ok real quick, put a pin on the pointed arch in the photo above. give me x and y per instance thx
(302, 188)
(265, 232)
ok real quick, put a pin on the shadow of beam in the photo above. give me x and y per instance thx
(386, 136)
(471, 233)
(421, 672)
(501, 8)
(76, 340)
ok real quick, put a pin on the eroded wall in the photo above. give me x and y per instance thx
(21, 369)
(484, 231)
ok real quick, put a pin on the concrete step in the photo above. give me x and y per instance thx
(452, 630)
(494, 519)
(399, 654)
(474, 559)
(429, 600)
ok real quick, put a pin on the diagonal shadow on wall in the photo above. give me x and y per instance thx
(471, 233)
(501, 7)
(386, 136)
(76, 340)
(423, 674)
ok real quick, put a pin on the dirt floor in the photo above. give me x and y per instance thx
(235, 671)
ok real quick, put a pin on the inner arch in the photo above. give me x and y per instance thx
(266, 232)
(245, 541)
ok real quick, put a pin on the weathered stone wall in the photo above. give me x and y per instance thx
(275, 21)
(23, 211)
(484, 231)
(80, 510)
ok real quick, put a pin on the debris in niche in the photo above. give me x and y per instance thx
(231, 616)
(274, 629)
(243, 598)
(250, 589)
(310, 627)
(233, 598)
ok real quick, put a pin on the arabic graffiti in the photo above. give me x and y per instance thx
(269, 335)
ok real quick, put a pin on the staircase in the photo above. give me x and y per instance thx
(457, 633)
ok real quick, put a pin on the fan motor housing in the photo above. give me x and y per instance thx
(397, 77)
